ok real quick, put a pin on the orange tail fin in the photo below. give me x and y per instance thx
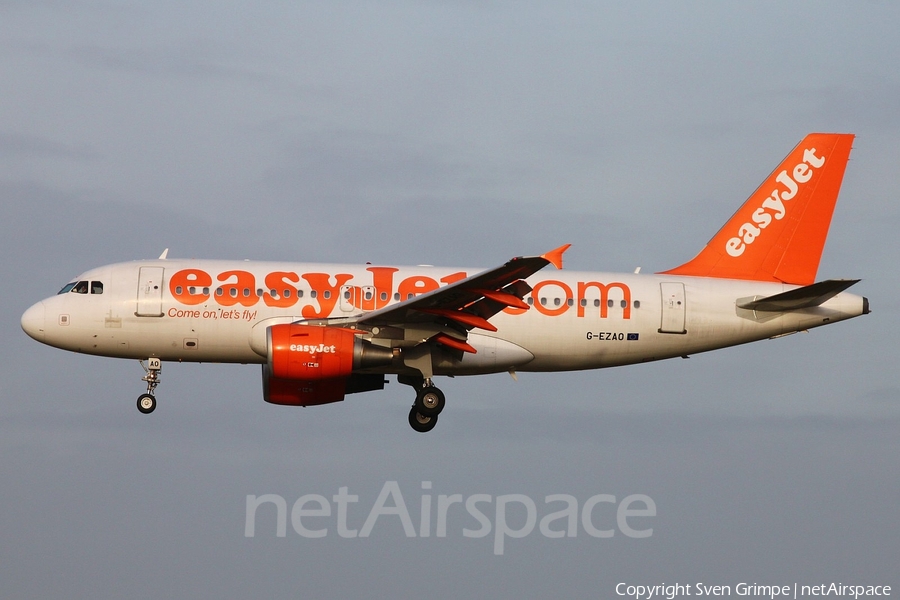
(779, 232)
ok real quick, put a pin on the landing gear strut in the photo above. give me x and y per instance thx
(429, 403)
(146, 403)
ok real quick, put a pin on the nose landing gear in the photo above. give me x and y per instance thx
(146, 403)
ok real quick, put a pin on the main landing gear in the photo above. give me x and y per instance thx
(146, 403)
(423, 415)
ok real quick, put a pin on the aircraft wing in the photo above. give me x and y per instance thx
(469, 302)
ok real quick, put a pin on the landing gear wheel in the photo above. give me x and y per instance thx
(146, 403)
(429, 401)
(420, 423)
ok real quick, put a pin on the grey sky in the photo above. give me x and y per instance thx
(450, 133)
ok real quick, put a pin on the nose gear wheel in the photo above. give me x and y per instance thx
(146, 403)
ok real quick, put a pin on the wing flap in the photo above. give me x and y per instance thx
(506, 298)
(452, 342)
(463, 317)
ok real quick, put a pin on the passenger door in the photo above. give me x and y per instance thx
(673, 308)
(149, 292)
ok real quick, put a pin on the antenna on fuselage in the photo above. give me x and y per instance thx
(164, 254)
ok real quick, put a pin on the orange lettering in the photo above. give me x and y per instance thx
(604, 297)
(383, 280)
(181, 282)
(326, 294)
(551, 312)
(415, 285)
(240, 292)
(278, 282)
(453, 277)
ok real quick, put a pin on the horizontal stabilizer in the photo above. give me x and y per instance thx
(804, 297)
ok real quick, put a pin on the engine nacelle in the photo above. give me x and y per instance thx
(309, 364)
(307, 352)
(294, 392)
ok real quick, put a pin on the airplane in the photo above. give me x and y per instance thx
(322, 331)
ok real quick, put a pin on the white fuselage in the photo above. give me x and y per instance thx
(218, 311)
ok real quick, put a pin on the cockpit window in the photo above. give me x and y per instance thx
(82, 287)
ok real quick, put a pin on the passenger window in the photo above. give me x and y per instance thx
(530, 301)
(178, 290)
(299, 293)
(287, 293)
(556, 302)
(383, 296)
(312, 293)
(219, 291)
(246, 292)
(397, 296)
(347, 295)
(96, 287)
(637, 303)
(326, 294)
(67, 288)
(80, 288)
(583, 302)
(623, 303)
(543, 302)
(596, 303)
(610, 303)
(233, 292)
(570, 301)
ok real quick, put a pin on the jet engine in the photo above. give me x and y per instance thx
(308, 364)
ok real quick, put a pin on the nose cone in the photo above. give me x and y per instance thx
(33, 321)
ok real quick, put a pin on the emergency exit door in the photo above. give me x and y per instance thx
(355, 298)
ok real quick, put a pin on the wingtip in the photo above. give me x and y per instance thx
(555, 257)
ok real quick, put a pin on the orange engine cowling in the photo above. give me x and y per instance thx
(294, 392)
(310, 365)
(309, 352)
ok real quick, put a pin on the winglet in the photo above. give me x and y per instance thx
(554, 257)
(164, 254)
